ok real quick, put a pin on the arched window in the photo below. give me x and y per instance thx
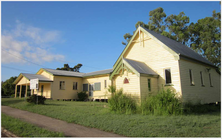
(126, 81)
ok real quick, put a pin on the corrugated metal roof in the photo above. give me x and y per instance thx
(64, 73)
(35, 76)
(107, 71)
(77, 74)
(179, 48)
(140, 67)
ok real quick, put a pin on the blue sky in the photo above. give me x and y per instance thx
(38, 35)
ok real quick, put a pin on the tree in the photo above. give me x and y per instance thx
(178, 27)
(67, 67)
(156, 22)
(205, 36)
(8, 88)
(77, 67)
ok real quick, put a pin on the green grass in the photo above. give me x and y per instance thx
(23, 129)
(97, 115)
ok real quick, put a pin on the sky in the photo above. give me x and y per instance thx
(43, 34)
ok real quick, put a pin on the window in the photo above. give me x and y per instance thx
(149, 84)
(126, 81)
(62, 85)
(201, 78)
(105, 85)
(211, 85)
(85, 87)
(191, 77)
(75, 84)
(97, 86)
(168, 76)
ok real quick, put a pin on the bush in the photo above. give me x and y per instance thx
(82, 96)
(34, 98)
(122, 103)
(163, 103)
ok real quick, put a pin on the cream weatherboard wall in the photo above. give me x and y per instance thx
(132, 88)
(23, 81)
(144, 86)
(157, 57)
(68, 92)
(46, 74)
(103, 93)
(199, 93)
(46, 89)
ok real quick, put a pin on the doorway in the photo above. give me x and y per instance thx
(90, 90)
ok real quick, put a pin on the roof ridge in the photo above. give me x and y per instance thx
(179, 45)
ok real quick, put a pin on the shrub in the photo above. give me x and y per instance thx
(122, 103)
(82, 96)
(163, 103)
(34, 98)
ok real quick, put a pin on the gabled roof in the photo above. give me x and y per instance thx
(76, 74)
(179, 48)
(32, 76)
(64, 73)
(174, 47)
(35, 76)
(107, 71)
(140, 67)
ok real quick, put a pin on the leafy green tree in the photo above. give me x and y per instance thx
(178, 27)
(8, 88)
(156, 22)
(205, 36)
(77, 67)
(66, 67)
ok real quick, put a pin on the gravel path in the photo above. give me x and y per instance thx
(69, 129)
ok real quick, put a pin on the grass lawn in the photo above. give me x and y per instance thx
(97, 115)
(23, 129)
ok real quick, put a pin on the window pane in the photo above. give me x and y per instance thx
(62, 85)
(201, 78)
(191, 77)
(97, 86)
(126, 81)
(75, 84)
(105, 84)
(85, 87)
(211, 85)
(168, 76)
(149, 84)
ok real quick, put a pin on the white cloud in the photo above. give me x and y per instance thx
(28, 42)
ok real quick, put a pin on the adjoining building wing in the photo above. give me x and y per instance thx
(64, 73)
(96, 73)
(35, 76)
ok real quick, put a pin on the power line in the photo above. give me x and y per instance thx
(24, 59)
(14, 68)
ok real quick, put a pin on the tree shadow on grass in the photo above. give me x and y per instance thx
(11, 101)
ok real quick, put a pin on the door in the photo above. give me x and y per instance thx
(91, 90)
(42, 90)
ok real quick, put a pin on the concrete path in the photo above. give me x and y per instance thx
(69, 129)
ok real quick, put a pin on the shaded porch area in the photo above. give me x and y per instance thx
(22, 88)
